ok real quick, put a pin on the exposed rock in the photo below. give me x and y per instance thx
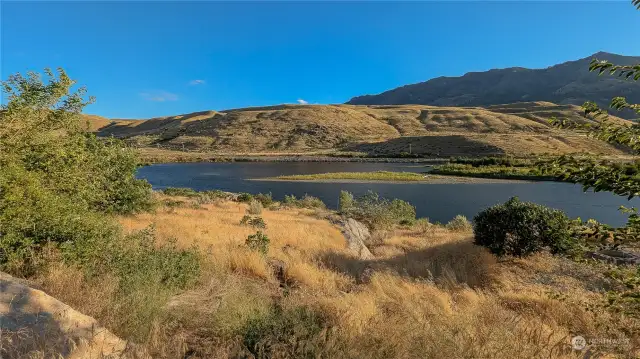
(618, 257)
(33, 322)
(357, 234)
(279, 269)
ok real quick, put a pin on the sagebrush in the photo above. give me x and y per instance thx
(521, 228)
(377, 212)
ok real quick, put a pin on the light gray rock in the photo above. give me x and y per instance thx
(357, 234)
(32, 321)
(616, 256)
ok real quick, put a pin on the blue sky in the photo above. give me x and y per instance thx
(146, 59)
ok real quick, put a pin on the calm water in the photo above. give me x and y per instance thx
(439, 202)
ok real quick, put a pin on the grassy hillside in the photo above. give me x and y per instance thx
(516, 129)
(427, 292)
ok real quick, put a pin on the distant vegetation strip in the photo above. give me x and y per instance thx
(492, 171)
(363, 176)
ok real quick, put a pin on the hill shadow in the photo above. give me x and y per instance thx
(122, 128)
(453, 263)
(437, 146)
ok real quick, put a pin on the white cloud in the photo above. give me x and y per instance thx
(302, 102)
(159, 96)
(197, 82)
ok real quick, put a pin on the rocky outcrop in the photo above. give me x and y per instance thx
(279, 269)
(357, 234)
(618, 257)
(34, 323)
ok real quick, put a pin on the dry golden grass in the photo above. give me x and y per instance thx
(519, 129)
(428, 293)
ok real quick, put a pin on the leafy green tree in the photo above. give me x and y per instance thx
(621, 178)
(56, 178)
(42, 131)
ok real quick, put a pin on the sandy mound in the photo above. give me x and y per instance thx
(33, 323)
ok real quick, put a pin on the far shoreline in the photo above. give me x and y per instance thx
(161, 156)
(269, 159)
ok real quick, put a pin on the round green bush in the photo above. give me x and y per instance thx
(521, 228)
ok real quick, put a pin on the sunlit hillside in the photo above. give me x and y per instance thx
(519, 129)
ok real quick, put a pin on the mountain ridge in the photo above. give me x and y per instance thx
(565, 83)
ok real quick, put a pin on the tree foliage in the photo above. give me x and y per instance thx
(56, 177)
(41, 131)
(603, 175)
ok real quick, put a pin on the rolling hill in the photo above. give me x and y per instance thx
(518, 129)
(566, 83)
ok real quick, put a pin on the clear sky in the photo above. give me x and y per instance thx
(146, 59)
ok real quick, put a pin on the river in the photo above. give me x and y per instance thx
(438, 202)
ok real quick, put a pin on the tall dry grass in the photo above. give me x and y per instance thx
(428, 293)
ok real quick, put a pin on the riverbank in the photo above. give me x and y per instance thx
(382, 176)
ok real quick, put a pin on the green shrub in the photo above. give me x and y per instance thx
(345, 201)
(148, 275)
(172, 203)
(379, 213)
(403, 211)
(521, 228)
(265, 198)
(207, 197)
(216, 193)
(255, 208)
(422, 225)
(459, 223)
(297, 331)
(32, 216)
(244, 197)
(245, 219)
(180, 191)
(255, 222)
(311, 202)
(290, 201)
(138, 258)
(307, 201)
(258, 242)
